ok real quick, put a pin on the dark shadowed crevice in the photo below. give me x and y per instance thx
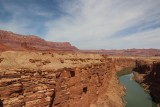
(85, 89)
(52, 99)
(72, 73)
(1, 103)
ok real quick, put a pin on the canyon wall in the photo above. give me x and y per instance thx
(90, 81)
(147, 73)
(26, 87)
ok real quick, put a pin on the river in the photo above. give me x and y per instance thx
(135, 94)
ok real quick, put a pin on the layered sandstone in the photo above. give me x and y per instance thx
(34, 79)
(147, 73)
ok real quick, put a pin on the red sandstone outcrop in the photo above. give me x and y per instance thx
(82, 80)
(147, 73)
(15, 41)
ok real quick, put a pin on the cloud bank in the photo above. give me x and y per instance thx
(89, 24)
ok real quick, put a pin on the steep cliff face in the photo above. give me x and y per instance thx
(14, 41)
(147, 73)
(93, 85)
(26, 87)
(79, 80)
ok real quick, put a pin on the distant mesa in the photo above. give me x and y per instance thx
(126, 52)
(12, 41)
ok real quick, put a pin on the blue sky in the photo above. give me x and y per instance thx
(87, 24)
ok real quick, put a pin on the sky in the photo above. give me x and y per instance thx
(86, 24)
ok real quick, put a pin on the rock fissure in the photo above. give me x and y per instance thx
(52, 99)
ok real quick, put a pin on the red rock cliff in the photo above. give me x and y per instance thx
(14, 41)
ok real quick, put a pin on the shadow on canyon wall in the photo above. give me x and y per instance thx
(1, 103)
(52, 99)
(151, 78)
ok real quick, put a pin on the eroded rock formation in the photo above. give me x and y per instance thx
(26, 87)
(80, 81)
(147, 73)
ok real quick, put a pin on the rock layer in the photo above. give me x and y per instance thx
(25, 87)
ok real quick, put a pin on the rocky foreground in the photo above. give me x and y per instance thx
(29, 79)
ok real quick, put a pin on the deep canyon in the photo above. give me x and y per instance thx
(51, 74)
(38, 79)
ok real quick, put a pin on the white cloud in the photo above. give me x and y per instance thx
(145, 39)
(89, 24)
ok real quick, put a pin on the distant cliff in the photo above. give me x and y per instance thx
(10, 40)
(127, 52)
